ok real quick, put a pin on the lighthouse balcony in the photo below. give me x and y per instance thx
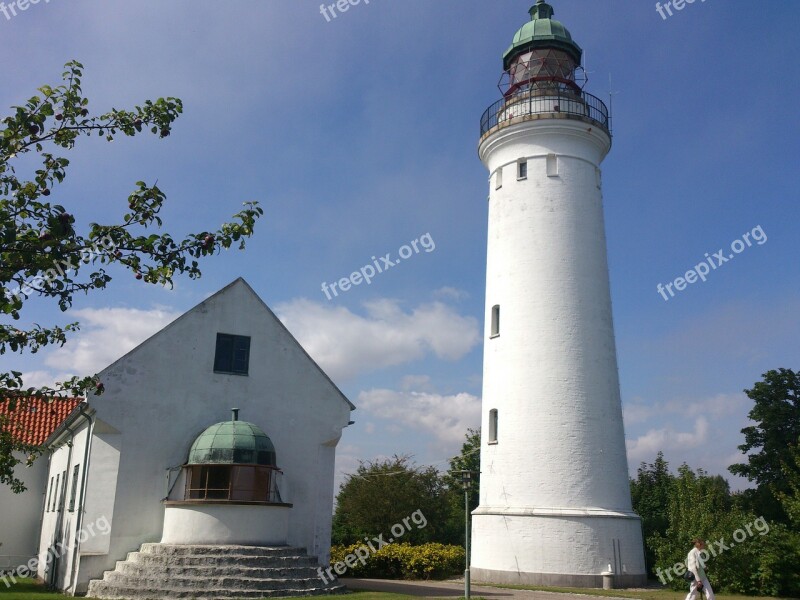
(545, 103)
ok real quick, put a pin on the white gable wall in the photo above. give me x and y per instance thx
(164, 393)
(20, 514)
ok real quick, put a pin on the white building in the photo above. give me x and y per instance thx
(122, 460)
(31, 421)
(555, 505)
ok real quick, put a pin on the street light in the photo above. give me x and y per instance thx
(466, 482)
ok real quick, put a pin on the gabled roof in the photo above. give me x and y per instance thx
(33, 420)
(239, 281)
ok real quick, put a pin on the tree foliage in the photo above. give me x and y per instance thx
(468, 460)
(770, 441)
(46, 253)
(776, 413)
(650, 493)
(381, 493)
(749, 554)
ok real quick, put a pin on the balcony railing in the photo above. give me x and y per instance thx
(546, 101)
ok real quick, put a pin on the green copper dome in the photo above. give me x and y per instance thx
(542, 31)
(233, 442)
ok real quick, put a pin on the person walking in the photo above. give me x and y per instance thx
(696, 564)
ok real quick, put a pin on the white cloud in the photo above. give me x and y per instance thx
(40, 379)
(416, 382)
(446, 417)
(666, 438)
(451, 293)
(718, 406)
(106, 334)
(346, 344)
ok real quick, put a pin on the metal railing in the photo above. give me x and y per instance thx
(543, 101)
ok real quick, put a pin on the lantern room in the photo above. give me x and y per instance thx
(542, 55)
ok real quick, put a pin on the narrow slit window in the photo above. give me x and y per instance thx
(495, 331)
(63, 495)
(49, 500)
(522, 169)
(498, 178)
(493, 426)
(552, 165)
(55, 495)
(75, 472)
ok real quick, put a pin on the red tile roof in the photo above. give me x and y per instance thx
(34, 419)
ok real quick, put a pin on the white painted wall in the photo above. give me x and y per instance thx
(59, 524)
(552, 371)
(20, 515)
(239, 525)
(164, 393)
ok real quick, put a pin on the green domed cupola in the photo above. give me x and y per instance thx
(233, 442)
(543, 55)
(542, 31)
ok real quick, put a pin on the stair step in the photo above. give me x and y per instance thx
(197, 550)
(216, 581)
(112, 592)
(189, 560)
(163, 572)
(129, 568)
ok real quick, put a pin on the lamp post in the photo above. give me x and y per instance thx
(466, 481)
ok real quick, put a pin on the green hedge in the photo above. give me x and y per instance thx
(400, 561)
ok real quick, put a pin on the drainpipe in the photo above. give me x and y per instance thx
(73, 583)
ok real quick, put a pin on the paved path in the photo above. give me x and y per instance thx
(453, 589)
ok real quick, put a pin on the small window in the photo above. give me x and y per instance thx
(209, 483)
(598, 177)
(522, 169)
(49, 499)
(236, 483)
(55, 495)
(62, 496)
(232, 355)
(75, 472)
(493, 426)
(552, 165)
(498, 178)
(495, 331)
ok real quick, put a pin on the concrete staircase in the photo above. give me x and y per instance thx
(163, 572)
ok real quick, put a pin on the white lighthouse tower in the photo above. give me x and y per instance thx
(555, 504)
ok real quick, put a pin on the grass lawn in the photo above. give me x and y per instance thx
(27, 589)
(24, 589)
(649, 594)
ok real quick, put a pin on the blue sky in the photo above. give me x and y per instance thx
(359, 135)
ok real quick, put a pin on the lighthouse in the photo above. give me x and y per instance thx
(555, 504)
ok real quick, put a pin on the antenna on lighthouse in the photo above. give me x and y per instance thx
(611, 95)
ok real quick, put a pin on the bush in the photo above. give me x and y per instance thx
(401, 561)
